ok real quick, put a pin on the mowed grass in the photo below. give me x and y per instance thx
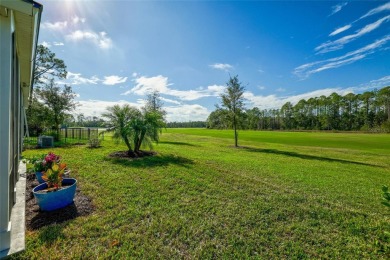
(280, 195)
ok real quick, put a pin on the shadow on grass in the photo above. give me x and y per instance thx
(179, 143)
(43, 218)
(305, 156)
(154, 161)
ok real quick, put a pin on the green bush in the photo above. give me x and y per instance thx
(386, 127)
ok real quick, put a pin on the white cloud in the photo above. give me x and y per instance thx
(221, 66)
(77, 20)
(145, 85)
(340, 30)
(176, 113)
(77, 79)
(217, 89)
(377, 83)
(260, 70)
(337, 8)
(385, 7)
(306, 70)
(261, 87)
(273, 101)
(339, 44)
(46, 44)
(185, 113)
(58, 43)
(113, 80)
(50, 44)
(280, 90)
(167, 100)
(57, 26)
(99, 39)
(97, 107)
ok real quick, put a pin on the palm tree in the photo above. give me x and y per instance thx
(119, 118)
(146, 129)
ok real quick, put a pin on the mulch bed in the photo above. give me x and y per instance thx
(35, 218)
(126, 155)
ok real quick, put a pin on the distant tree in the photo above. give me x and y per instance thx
(47, 66)
(368, 111)
(218, 119)
(69, 120)
(37, 117)
(287, 114)
(80, 119)
(384, 100)
(233, 101)
(367, 99)
(253, 118)
(148, 126)
(190, 124)
(39, 113)
(154, 103)
(59, 102)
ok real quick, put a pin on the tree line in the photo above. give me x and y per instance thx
(352, 112)
(80, 120)
(190, 124)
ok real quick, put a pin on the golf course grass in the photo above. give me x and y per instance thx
(279, 195)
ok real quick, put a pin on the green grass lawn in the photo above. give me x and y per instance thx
(281, 195)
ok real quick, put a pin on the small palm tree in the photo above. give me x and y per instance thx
(147, 129)
(134, 127)
(119, 118)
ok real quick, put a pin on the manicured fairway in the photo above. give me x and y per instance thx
(280, 195)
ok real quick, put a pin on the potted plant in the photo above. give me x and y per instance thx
(57, 192)
(37, 166)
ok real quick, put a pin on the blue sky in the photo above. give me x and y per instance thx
(118, 51)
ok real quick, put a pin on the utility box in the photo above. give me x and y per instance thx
(45, 141)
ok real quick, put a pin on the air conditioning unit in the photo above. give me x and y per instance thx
(45, 141)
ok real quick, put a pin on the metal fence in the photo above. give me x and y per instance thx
(65, 136)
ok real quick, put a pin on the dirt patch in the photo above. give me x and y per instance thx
(35, 218)
(127, 155)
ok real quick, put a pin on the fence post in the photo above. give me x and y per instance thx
(89, 133)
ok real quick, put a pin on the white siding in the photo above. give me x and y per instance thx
(5, 127)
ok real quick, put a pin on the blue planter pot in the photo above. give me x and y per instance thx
(56, 199)
(39, 177)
